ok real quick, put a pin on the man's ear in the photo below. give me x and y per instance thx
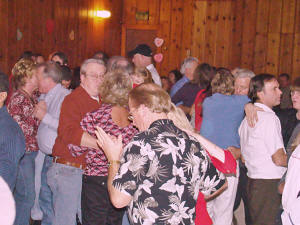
(3, 96)
(260, 95)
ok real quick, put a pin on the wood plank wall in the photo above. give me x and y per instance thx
(262, 35)
(30, 17)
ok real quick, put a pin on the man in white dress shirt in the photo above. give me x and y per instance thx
(263, 150)
(142, 57)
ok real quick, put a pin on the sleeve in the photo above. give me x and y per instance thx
(228, 167)
(156, 77)
(12, 149)
(178, 97)
(50, 121)
(132, 170)
(212, 179)
(273, 138)
(294, 213)
(69, 122)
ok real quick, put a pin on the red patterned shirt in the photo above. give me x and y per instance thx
(96, 161)
(21, 107)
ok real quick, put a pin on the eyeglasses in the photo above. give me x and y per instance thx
(95, 76)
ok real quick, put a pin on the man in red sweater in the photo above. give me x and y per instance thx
(65, 175)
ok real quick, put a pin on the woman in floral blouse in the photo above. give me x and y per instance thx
(112, 116)
(21, 106)
(162, 169)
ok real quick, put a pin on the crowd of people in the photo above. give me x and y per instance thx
(114, 143)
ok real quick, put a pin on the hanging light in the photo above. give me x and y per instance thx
(103, 13)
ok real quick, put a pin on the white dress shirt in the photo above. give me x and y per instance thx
(154, 74)
(259, 143)
(47, 131)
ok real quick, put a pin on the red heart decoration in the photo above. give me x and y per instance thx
(158, 57)
(50, 26)
(158, 42)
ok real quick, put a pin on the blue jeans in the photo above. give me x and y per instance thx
(125, 220)
(25, 190)
(45, 198)
(65, 183)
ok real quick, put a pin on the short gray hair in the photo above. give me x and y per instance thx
(52, 70)
(88, 61)
(121, 63)
(243, 73)
(187, 62)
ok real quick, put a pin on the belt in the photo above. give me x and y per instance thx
(68, 163)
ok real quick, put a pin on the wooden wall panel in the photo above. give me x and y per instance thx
(288, 16)
(235, 55)
(249, 31)
(175, 33)
(210, 32)
(164, 33)
(199, 25)
(30, 17)
(296, 56)
(286, 53)
(187, 29)
(4, 34)
(262, 35)
(272, 63)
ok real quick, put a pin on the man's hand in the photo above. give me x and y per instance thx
(40, 110)
(251, 113)
(111, 146)
(236, 152)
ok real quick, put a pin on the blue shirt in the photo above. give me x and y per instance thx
(222, 116)
(179, 84)
(47, 131)
(12, 147)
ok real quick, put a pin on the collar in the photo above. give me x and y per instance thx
(185, 78)
(160, 122)
(264, 107)
(150, 66)
(54, 89)
(97, 98)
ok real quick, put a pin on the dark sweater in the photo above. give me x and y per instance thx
(12, 147)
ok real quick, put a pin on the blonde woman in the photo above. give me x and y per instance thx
(112, 117)
(21, 107)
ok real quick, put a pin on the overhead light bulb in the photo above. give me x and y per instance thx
(103, 13)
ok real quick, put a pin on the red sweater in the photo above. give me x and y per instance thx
(73, 109)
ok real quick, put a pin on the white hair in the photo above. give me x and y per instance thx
(88, 61)
(243, 73)
(187, 63)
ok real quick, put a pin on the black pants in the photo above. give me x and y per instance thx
(95, 204)
(242, 194)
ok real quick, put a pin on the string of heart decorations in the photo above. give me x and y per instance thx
(158, 43)
(50, 26)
